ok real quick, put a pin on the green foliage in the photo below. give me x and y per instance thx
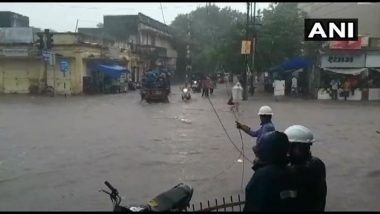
(215, 42)
(281, 35)
(216, 36)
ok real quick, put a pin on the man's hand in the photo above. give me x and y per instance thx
(241, 126)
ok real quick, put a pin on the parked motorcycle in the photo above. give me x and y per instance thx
(175, 199)
(186, 94)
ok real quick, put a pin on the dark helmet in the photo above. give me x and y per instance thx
(273, 147)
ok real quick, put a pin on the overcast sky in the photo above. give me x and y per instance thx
(62, 17)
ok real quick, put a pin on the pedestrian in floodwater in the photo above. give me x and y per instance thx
(210, 85)
(334, 89)
(204, 85)
(294, 88)
(266, 125)
(346, 88)
(271, 187)
(309, 171)
(237, 96)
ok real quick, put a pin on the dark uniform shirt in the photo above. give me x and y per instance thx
(310, 178)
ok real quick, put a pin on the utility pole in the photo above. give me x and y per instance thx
(188, 51)
(244, 74)
(254, 35)
(254, 45)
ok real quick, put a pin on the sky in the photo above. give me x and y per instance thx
(62, 17)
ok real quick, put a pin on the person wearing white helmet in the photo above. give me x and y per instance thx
(266, 125)
(309, 171)
(271, 187)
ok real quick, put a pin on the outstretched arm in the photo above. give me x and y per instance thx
(248, 130)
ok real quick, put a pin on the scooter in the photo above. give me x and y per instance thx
(173, 200)
(186, 94)
(196, 86)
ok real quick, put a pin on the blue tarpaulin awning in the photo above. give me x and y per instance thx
(112, 70)
(292, 64)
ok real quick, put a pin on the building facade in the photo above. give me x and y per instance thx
(22, 69)
(148, 42)
(354, 62)
(11, 19)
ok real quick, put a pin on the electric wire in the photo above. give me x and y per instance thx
(162, 11)
(225, 131)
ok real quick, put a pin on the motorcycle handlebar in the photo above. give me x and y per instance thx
(110, 187)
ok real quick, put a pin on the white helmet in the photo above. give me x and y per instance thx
(299, 134)
(265, 110)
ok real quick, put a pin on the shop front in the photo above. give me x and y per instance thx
(348, 70)
(373, 65)
(105, 76)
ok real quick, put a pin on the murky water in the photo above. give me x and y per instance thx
(56, 153)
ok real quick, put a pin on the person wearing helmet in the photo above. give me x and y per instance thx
(309, 171)
(271, 188)
(265, 113)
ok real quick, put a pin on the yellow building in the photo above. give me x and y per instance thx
(22, 68)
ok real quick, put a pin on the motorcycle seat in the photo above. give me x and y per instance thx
(176, 198)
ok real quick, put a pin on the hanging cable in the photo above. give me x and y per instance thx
(162, 11)
(225, 131)
(242, 148)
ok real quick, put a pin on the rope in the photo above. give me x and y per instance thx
(242, 153)
(242, 149)
(225, 131)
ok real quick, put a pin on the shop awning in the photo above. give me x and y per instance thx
(112, 70)
(292, 64)
(350, 71)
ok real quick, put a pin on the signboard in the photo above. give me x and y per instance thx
(372, 61)
(246, 47)
(343, 61)
(64, 65)
(48, 57)
(14, 52)
(52, 58)
(45, 56)
(16, 35)
(279, 87)
(346, 44)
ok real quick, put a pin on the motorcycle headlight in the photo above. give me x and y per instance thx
(185, 90)
(195, 82)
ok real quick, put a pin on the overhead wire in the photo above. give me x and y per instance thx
(162, 11)
(242, 147)
(225, 131)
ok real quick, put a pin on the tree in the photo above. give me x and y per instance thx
(215, 42)
(281, 35)
(99, 25)
(216, 36)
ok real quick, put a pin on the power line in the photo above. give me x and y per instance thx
(225, 131)
(162, 11)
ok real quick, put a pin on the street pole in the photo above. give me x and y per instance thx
(54, 76)
(254, 33)
(244, 74)
(188, 68)
(45, 75)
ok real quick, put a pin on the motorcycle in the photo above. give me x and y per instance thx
(196, 86)
(175, 199)
(186, 94)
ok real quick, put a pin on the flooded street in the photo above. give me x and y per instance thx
(56, 153)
